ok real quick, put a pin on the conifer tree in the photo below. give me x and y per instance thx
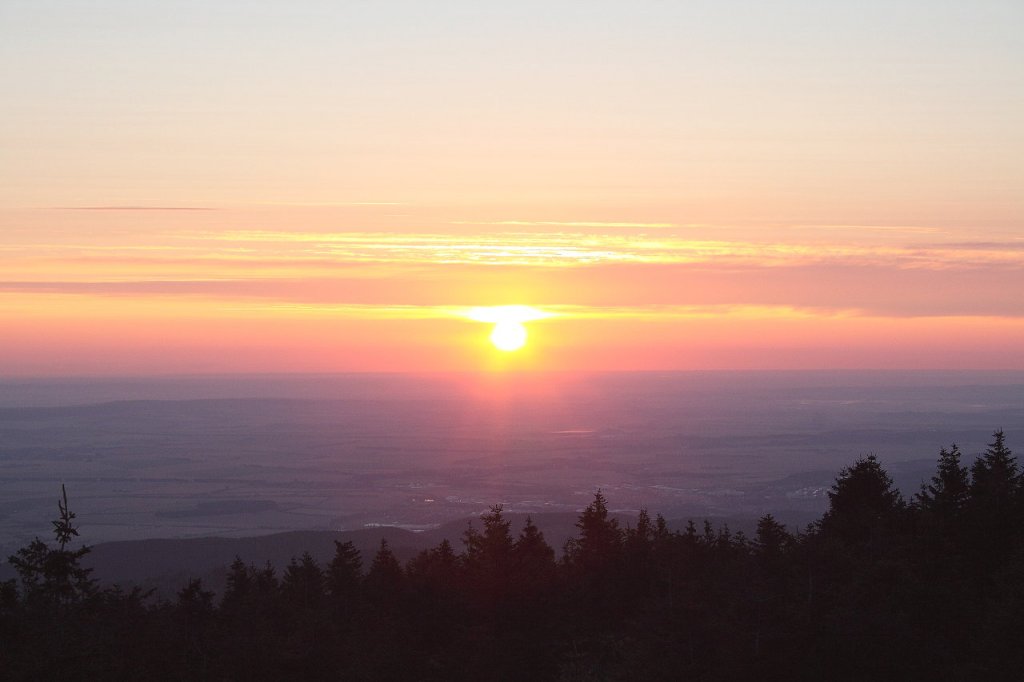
(265, 581)
(661, 531)
(600, 540)
(238, 587)
(491, 549)
(949, 491)
(303, 582)
(534, 559)
(639, 538)
(434, 568)
(863, 503)
(638, 548)
(194, 602)
(55, 575)
(771, 540)
(195, 613)
(345, 572)
(531, 549)
(995, 476)
(994, 505)
(444, 555)
(385, 574)
(488, 558)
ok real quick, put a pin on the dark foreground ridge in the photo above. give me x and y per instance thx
(878, 588)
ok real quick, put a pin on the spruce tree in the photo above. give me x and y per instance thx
(385, 575)
(863, 504)
(488, 558)
(55, 576)
(531, 549)
(600, 541)
(771, 540)
(948, 493)
(303, 583)
(434, 569)
(994, 476)
(994, 505)
(533, 560)
(492, 549)
(344, 573)
(238, 588)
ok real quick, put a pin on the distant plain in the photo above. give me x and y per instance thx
(252, 455)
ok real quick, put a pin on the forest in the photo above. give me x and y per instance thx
(880, 587)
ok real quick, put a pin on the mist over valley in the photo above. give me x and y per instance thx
(253, 455)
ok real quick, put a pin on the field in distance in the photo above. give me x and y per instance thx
(251, 455)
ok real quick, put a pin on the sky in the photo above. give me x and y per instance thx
(217, 186)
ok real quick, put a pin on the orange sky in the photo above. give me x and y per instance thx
(682, 187)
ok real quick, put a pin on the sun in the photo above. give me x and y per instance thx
(508, 335)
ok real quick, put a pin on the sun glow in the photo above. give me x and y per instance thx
(509, 335)
(507, 313)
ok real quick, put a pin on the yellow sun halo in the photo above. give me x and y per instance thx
(506, 313)
(508, 335)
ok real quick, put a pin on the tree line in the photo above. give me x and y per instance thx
(880, 587)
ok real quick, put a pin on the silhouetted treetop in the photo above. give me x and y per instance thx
(771, 539)
(600, 538)
(949, 490)
(345, 572)
(385, 574)
(863, 502)
(493, 547)
(55, 575)
(994, 475)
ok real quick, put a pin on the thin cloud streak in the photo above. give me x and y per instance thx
(131, 208)
(332, 204)
(544, 250)
(597, 271)
(556, 249)
(578, 293)
(550, 313)
(558, 223)
(907, 229)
